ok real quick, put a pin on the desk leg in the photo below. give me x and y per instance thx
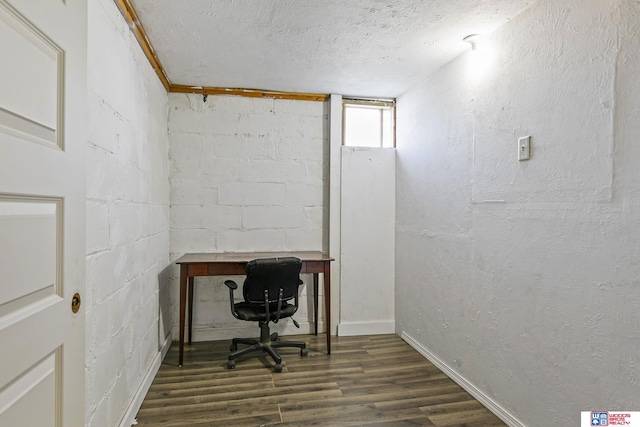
(183, 301)
(315, 302)
(327, 302)
(190, 312)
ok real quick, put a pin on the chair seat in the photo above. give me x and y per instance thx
(257, 313)
(270, 282)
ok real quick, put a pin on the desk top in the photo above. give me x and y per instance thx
(244, 257)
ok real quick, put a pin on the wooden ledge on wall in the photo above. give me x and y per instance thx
(132, 19)
(129, 14)
(251, 93)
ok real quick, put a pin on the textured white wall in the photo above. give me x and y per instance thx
(523, 276)
(246, 175)
(367, 241)
(127, 217)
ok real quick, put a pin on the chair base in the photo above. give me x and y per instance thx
(266, 344)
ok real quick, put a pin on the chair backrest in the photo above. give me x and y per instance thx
(272, 274)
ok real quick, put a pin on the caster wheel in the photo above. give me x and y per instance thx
(304, 352)
(231, 364)
(278, 367)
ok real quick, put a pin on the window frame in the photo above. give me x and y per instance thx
(383, 104)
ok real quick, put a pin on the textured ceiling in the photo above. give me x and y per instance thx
(372, 48)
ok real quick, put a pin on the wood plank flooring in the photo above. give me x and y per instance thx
(366, 381)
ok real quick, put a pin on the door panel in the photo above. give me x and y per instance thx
(38, 384)
(34, 332)
(36, 67)
(42, 209)
(28, 230)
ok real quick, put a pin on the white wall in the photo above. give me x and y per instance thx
(367, 241)
(246, 174)
(522, 277)
(335, 209)
(127, 218)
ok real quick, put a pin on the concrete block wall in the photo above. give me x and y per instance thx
(246, 174)
(522, 277)
(127, 217)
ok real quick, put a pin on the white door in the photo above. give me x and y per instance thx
(42, 208)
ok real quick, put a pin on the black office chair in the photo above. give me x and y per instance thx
(269, 287)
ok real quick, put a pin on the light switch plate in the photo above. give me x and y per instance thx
(524, 147)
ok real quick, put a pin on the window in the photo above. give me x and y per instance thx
(368, 123)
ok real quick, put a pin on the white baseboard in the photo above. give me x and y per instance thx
(136, 402)
(478, 394)
(366, 328)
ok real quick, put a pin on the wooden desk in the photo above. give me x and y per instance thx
(234, 263)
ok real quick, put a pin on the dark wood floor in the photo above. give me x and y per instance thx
(366, 381)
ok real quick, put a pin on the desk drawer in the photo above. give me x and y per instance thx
(197, 270)
(228, 269)
(217, 269)
(312, 267)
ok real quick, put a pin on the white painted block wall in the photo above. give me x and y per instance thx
(127, 217)
(246, 174)
(522, 277)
